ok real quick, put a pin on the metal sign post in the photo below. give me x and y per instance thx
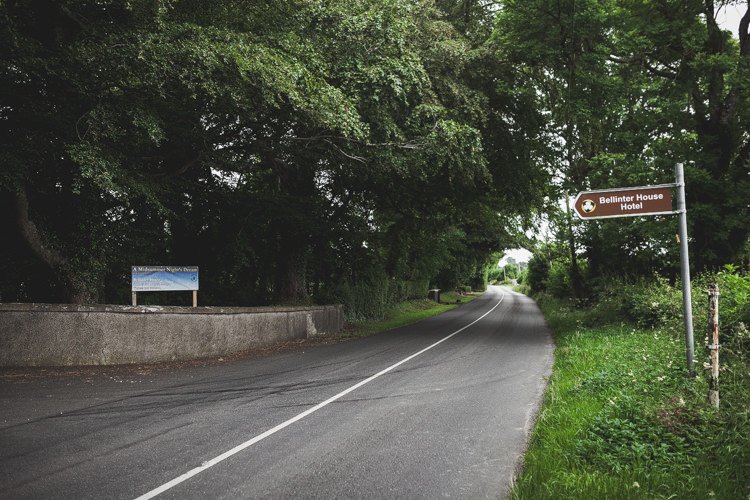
(687, 302)
(648, 200)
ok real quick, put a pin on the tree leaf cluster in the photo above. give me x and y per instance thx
(628, 89)
(293, 150)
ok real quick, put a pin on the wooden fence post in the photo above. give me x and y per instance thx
(713, 337)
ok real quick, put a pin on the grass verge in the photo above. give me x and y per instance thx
(408, 312)
(622, 420)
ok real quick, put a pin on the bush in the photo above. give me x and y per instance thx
(370, 298)
(477, 283)
(537, 273)
(734, 311)
(558, 280)
(735, 299)
(653, 303)
(494, 274)
(522, 277)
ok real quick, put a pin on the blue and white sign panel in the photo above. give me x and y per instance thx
(164, 278)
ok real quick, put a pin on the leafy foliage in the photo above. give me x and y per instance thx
(295, 151)
(628, 89)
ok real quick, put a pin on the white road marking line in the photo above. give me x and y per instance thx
(210, 463)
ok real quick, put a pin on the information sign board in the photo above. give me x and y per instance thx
(164, 278)
(624, 202)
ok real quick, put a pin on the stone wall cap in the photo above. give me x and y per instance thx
(114, 308)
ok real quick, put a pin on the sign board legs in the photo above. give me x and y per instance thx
(195, 298)
(687, 303)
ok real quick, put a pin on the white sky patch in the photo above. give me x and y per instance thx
(231, 179)
(728, 17)
(518, 254)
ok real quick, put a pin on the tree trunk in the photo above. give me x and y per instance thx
(294, 226)
(576, 279)
(76, 290)
(291, 272)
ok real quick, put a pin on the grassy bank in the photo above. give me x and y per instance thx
(622, 420)
(407, 312)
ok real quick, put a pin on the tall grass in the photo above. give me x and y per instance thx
(622, 420)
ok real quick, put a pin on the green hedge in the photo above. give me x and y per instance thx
(657, 303)
(370, 298)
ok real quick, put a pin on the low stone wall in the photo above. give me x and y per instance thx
(64, 335)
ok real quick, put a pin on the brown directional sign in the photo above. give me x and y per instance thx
(624, 202)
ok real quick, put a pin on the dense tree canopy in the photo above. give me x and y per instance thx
(294, 150)
(354, 151)
(630, 89)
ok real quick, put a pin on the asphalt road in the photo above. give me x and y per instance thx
(441, 408)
